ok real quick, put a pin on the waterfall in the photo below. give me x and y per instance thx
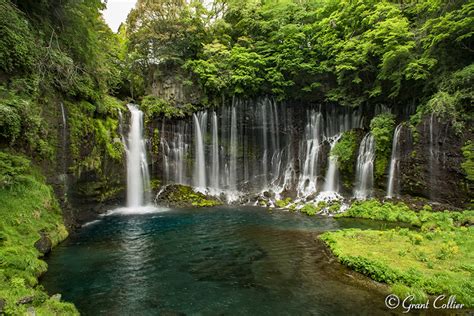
(251, 147)
(365, 168)
(394, 162)
(63, 176)
(263, 114)
(199, 164)
(331, 184)
(434, 154)
(307, 183)
(233, 151)
(138, 180)
(215, 153)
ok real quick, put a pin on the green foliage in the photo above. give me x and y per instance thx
(403, 291)
(412, 263)
(468, 164)
(348, 52)
(345, 150)
(382, 127)
(334, 207)
(20, 115)
(154, 107)
(309, 209)
(283, 203)
(452, 101)
(400, 212)
(184, 196)
(12, 169)
(28, 207)
(312, 209)
(94, 135)
(16, 41)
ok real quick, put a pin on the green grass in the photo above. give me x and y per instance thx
(411, 262)
(436, 259)
(28, 207)
(400, 212)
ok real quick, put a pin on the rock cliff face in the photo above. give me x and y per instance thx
(431, 163)
(175, 86)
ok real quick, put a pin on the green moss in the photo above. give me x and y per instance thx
(309, 209)
(94, 137)
(411, 262)
(155, 141)
(468, 164)
(28, 207)
(345, 150)
(382, 127)
(334, 207)
(283, 203)
(154, 106)
(312, 209)
(403, 291)
(184, 196)
(400, 212)
(12, 169)
(17, 43)
(22, 125)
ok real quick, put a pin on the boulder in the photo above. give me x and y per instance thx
(177, 195)
(44, 244)
(25, 300)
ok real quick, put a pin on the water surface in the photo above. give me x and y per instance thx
(226, 261)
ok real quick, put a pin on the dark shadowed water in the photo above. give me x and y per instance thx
(220, 261)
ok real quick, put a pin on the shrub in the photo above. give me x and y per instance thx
(345, 150)
(468, 164)
(283, 203)
(382, 127)
(309, 209)
(12, 169)
(16, 40)
(154, 106)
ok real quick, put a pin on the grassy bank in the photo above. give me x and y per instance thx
(436, 259)
(28, 209)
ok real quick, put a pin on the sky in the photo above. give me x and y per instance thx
(117, 11)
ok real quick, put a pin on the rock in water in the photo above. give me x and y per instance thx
(177, 195)
(44, 244)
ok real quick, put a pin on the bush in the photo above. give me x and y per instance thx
(309, 209)
(154, 106)
(283, 203)
(16, 41)
(12, 169)
(382, 127)
(468, 164)
(345, 150)
(400, 212)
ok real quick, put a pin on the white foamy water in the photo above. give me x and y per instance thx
(146, 209)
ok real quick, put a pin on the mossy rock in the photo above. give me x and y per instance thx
(283, 203)
(177, 195)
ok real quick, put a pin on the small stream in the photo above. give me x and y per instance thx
(216, 261)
